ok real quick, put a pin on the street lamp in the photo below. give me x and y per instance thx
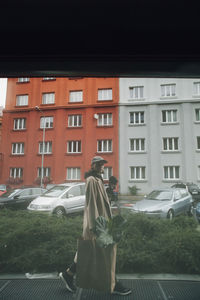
(43, 145)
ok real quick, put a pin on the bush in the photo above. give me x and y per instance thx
(35, 243)
(133, 190)
(39, 243)
(159, 246)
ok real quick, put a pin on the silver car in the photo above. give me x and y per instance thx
(163, 203)
(61, 199)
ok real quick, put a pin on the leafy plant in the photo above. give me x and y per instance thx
(14, 180)
(45, 180)
(133, 190)
(109, 231)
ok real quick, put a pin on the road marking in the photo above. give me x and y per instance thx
(162, 292)
(3, 287)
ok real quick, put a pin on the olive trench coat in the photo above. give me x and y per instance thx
(97, 204)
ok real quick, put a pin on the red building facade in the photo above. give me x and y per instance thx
(80, 116)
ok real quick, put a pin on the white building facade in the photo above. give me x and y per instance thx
(159, 132)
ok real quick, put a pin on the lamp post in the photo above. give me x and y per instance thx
(43, 146)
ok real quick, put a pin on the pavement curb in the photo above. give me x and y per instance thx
(180, 277)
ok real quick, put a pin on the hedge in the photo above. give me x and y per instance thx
(40, 243)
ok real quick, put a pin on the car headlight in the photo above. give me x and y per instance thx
(198, 208)
(44, 207)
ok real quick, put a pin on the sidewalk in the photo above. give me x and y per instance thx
(145, 287)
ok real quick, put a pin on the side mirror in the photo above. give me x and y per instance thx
(16, 197)
(70, 195)
(176, 199)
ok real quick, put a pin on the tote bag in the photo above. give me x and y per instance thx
(95, 266)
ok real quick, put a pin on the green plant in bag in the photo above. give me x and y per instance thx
(102, 232)
(109, 231)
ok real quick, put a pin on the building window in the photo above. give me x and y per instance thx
(171, 172)
(169, 116)
(198, 142)
(197, 114)
(136, 118)
(104, 94)
(74, 146)
(49, 78)
(137, 173)
(74, 120)
(196, 88)
(136, 92)
(168, 90)
(170, 144)
(108, 171)
(19, 124)
(104, 119)
(47, 148)
(76, 96)
(46, 122)
(73, 174)
(48, 98)
(104, 146)
(22, 100)
(137, 145)
(46, 172)
(17, 148)
(16, 172)
(23, 79)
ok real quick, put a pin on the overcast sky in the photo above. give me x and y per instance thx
(3, 85)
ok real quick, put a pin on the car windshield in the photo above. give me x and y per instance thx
(160, 195)
(10, 193)
(179, 185)
(193, 186)
(55, 191)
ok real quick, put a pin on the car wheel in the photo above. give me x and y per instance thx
(190, 211)
(170, 214)
(59, 212)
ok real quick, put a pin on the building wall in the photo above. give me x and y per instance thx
(60, 134)
(186, 129)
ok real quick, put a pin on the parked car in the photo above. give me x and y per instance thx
(4, 188)
(20, 198)
(192, 188)
(50, 185)
(163, 203)
(196, 212)
(61, 199)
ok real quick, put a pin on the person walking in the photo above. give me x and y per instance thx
(96, 204)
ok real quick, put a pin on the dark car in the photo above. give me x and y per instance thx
(192, 188)
(20, 198)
